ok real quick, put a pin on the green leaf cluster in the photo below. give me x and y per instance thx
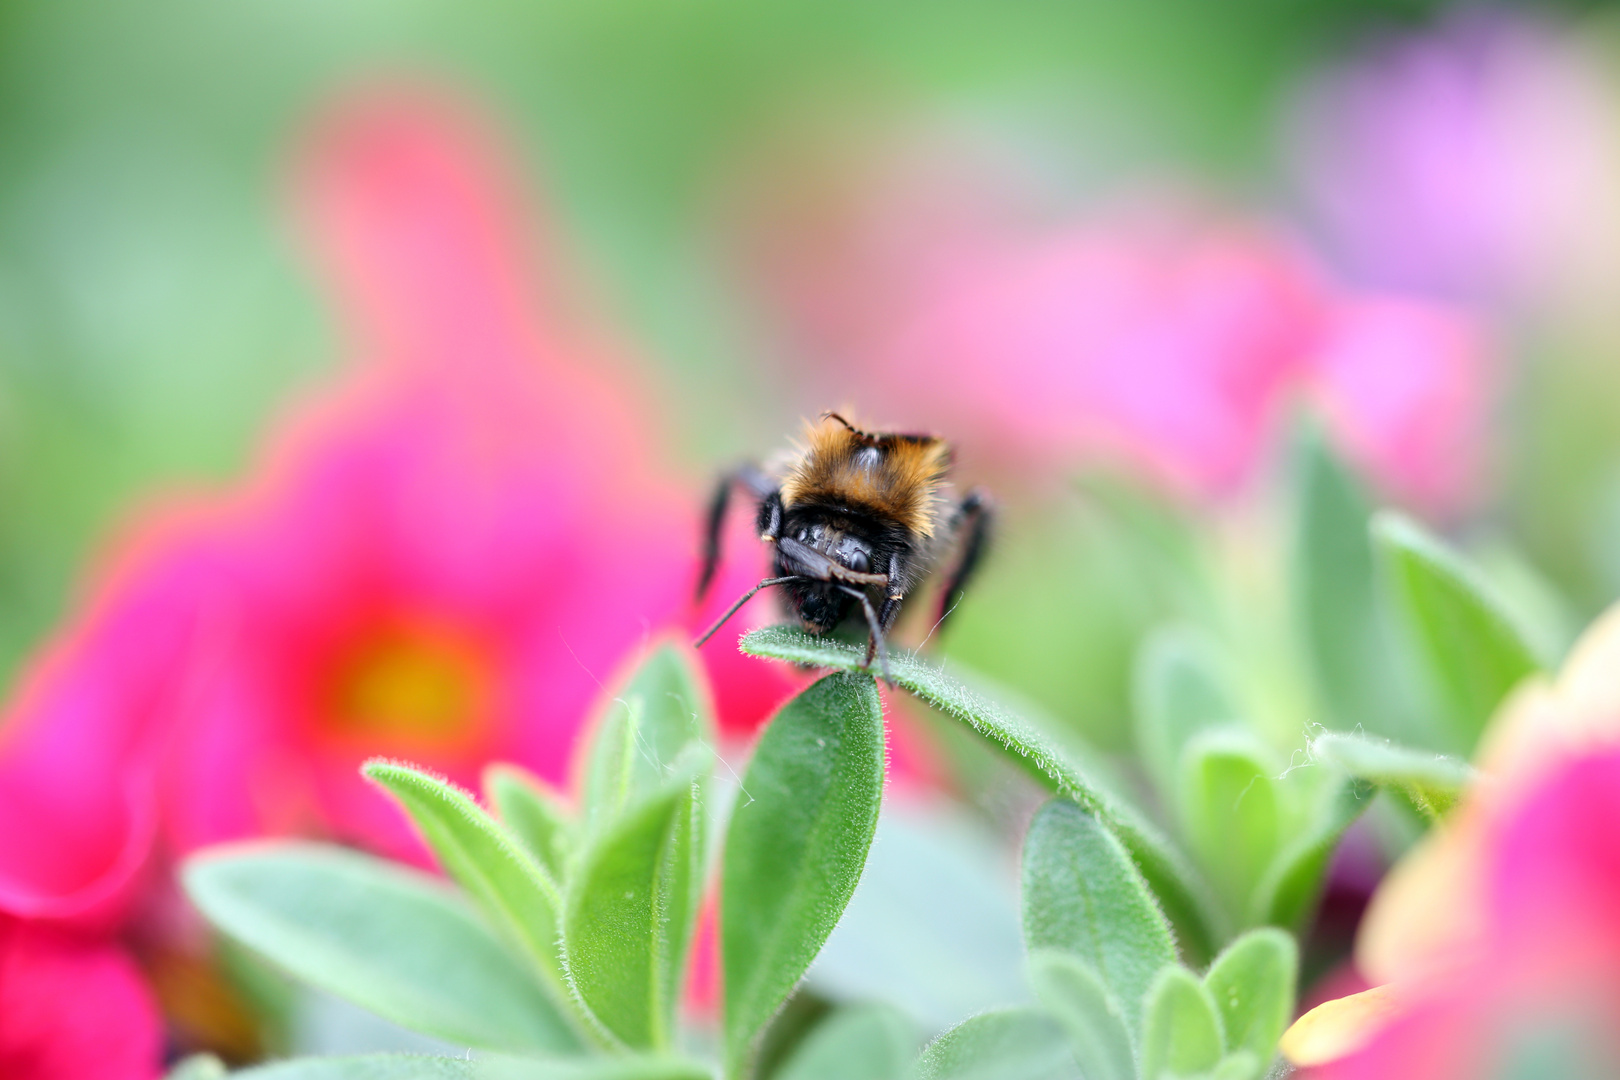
(558, 946)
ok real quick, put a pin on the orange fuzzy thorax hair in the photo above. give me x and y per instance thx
(897, 476)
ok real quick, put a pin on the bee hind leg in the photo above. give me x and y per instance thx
(758, 484)
(972, 521)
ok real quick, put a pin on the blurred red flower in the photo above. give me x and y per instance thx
(72, 1007)
(1542, 994)
(436, 560)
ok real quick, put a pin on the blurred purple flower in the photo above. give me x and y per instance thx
(1477, 158)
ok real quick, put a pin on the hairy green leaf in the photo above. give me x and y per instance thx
(1287, 892)
(1343, 616)
(796, 845)
(635, 742)
(1179, 690)
(534, 815)
(1074, 993)
(1252, 985)
(392, 940)
(858, 1042)
(1231, 812)
(1184, 897)
(1470, 646)
(1181, 1029)
(516, 895)
(417, 1067)
(1432, 782)
(367, 1067)
(197, 1067)
(1083, 895)
(1007, 1044)
(629, 911)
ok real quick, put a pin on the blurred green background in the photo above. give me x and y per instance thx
(154, 310)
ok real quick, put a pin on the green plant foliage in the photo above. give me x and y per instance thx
(663, 707)
(1181, 1030)
(515, 894)
(1252, 985)
(417, 1067)
(795, 846)
(630, 908)
(1342, 615)
(197, 1067)
(534, 815)
(1462, 633)
(1084, 896)
(395, 941)
(1179, 690)
(1075, 995)
(1184, 897)
(1007, 1044)
(859, 1042)
(369, 1067)
(1232, 814)
(1431, 782)
(1287, 893)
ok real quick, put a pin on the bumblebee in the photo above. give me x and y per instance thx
(857, 520)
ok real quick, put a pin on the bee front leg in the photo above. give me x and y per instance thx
(875, 644)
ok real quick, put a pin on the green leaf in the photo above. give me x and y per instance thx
(1083, 895)
(599, 1068)
(415, 1067)
(534, 815)
(392, 940)
(1184, 897)
(661, 708)
(1252, 985)
(1074, 993)
(1288, 891)
(197, 1067)
(795, 847)
(1240, 1065)
(862, 1042)
(1008, 1044)
(629, 911)
(1181, 1029)
(516, 895)
(1231, 812)
(1343, 616)
(1179, 690)
(1432, 782)
(1472, 650)
(367, 1067)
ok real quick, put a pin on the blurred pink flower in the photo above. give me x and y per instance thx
(1164, 337)
(72, 1008)
(1474, 158)
(1174, 346)
(436, 560)
(1542, 995)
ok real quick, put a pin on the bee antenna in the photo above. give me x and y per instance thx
(734, 608)
(841, 420)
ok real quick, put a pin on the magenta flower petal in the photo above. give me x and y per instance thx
(73, 1009)
(1406, 388)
